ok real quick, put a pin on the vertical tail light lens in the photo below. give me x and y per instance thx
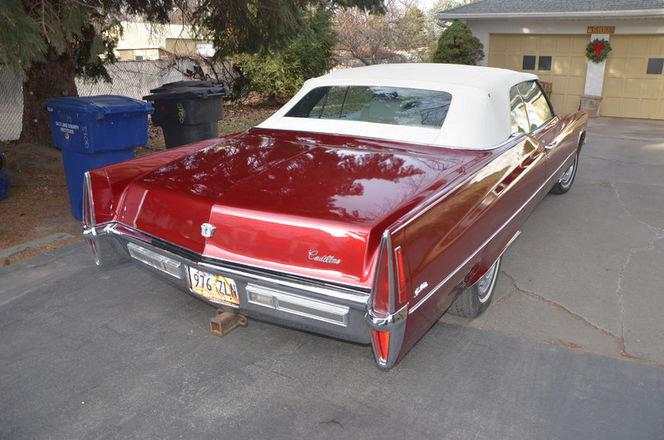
(401, 274)
(381, 294)
(381, 343)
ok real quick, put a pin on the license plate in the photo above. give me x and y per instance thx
(215, 288)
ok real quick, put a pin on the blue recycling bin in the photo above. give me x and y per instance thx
(94, 131)
(4, 184)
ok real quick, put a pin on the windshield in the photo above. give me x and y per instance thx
(381, 105)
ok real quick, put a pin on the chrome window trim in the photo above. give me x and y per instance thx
(488, 240)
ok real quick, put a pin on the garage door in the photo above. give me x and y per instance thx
(559, 59)
(633, 79)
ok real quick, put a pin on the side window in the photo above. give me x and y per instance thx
(538, 108)
(518, 113)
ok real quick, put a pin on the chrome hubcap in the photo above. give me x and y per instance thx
(566, 178)
(485, 284)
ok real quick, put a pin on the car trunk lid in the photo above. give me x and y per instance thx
(313, 205)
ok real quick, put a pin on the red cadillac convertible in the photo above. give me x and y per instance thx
(373, 202)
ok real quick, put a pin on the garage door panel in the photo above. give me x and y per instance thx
(633, 88)
(652, 89)
(560, 65)
(576, 83)
(628, 90)
(613, 87)
(578, 66)
(614, 67)
(558, 102)
(640, 49)
(530, 45)
(497, 44)
(561, 46)
(610, 106)
(497, 60)
(634, 66)
(513, 62)
(632, 106)
(649, 108)
(568, 64)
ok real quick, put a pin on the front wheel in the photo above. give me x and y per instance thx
(567, 179)
(476, 298)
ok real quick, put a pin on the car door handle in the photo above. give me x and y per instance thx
(551, 146)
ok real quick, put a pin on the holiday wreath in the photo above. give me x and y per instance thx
(597, 50)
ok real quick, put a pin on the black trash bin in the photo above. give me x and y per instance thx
(188, 111)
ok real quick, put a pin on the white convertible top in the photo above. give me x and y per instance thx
(478, 117)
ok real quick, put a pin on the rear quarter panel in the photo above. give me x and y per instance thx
(450, 244)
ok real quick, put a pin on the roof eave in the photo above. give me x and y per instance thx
(639, 13)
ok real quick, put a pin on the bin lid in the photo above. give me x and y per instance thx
(168, 91)
(190, 83)
(101, 104)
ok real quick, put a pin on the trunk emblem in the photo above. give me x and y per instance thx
(329, 259)
(207, 230)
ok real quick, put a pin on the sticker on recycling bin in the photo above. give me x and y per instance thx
(181, 114)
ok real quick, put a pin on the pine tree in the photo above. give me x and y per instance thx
(53, 41)
(458, 45)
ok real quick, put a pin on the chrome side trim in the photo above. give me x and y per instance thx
(395, 325)
(87, 200)
(488, 240)
(509, 243)
(385, 322)
(387, 242)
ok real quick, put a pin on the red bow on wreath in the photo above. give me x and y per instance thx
(597, 50)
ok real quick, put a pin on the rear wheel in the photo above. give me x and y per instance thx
(476, 298)
(567, 179)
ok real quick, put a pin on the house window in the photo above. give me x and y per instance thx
(655, 66)
(138, 58)
(528, 62)
(544, 63)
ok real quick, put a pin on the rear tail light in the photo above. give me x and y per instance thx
(381, 343)
(401, 274)
(389, 297)
(381, 294)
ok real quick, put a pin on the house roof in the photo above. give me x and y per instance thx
(555, 8)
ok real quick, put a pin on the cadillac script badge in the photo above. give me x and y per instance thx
(207, 230)
(329, 259)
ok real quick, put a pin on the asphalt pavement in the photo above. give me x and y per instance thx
(572, 348)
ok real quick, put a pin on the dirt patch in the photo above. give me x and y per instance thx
(38, 204)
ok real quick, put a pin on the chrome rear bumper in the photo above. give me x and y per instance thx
(328, 309)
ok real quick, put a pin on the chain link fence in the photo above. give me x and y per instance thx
(130, 78)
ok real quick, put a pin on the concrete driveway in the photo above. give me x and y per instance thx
(572, 347)
(587, 271)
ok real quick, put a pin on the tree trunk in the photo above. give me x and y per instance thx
(51, 79)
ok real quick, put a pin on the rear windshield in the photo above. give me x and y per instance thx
(381, 105)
